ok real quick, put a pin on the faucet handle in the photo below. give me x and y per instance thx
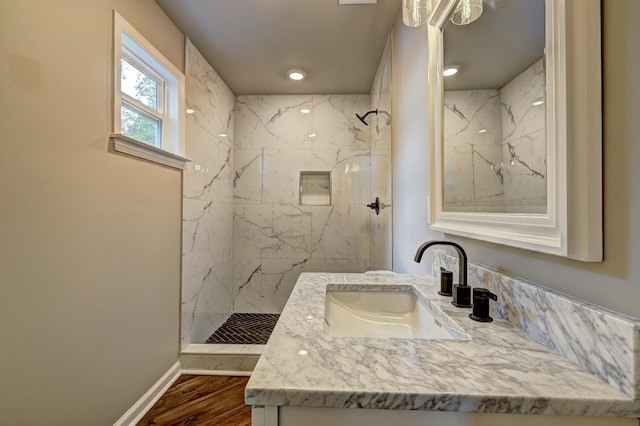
(461, 296)
(481, 298)
(446, 282)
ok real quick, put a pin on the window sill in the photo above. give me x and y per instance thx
(127, 145)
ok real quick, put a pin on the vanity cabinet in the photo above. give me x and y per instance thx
(313, 416)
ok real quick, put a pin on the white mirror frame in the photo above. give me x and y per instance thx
(572, 226)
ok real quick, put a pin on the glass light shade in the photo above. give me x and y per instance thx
(466, 12)
(415, 12)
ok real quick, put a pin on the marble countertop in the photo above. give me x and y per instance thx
(499, 370)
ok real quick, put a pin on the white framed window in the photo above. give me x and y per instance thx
(148, 99)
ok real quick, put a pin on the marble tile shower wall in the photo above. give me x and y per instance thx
(495, 146)
(472, 170)
(276, 238)
(524, 141)
(602, 342)
(207, 258)
(380, 134)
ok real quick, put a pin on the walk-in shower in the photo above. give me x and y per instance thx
(248, 231)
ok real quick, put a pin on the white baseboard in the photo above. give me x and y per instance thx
(144, 404)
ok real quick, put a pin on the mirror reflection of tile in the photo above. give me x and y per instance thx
(495, 147)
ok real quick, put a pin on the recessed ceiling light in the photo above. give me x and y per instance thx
(537, 103)
(450, 70)
(312, 135)
(222, 135)
(482, 131)
(305, 110)
(295, 74)
(190, 111)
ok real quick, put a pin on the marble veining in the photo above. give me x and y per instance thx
(601, 342)
(276, 238)
(473, 166)
(495, 146)
(207, 224)
(499, 370)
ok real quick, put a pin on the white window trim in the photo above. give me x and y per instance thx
(126, 145)
(173, 128)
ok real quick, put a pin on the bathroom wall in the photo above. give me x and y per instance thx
(495, 147)
(612, 283)
(276, 238)
(90, 252)
(410, 146)
(380, 136)
(207, 206)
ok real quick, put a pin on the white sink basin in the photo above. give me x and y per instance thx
(395, 313)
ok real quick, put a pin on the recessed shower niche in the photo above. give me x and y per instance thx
(315, 188)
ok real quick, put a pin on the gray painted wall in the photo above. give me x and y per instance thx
(410, 147)
(89, 240)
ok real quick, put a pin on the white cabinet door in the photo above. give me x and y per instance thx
(310, 416)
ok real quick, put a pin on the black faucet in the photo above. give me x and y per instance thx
(461, 291)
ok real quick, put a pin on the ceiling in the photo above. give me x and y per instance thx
(253, 43)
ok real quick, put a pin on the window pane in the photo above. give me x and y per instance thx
(138, 85)
(142, 127)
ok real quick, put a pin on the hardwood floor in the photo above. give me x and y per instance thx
(201, 400)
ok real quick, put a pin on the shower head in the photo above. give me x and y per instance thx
(388, 116)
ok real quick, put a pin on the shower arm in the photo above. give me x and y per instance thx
(363, 117)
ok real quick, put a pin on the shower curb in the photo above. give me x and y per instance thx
(211, 357)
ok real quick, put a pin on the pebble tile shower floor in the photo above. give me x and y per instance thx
(245, 329)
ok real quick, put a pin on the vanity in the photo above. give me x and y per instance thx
(486, 374)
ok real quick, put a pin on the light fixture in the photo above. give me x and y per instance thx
(312, 135)
(305, 110)
(466, 12)
(537, 102)
(415, 12)
(295, 74)
(450, 70)
(190, 111)
(482, 131)
(222, 135)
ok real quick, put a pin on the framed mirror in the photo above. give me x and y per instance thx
(516, 132)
